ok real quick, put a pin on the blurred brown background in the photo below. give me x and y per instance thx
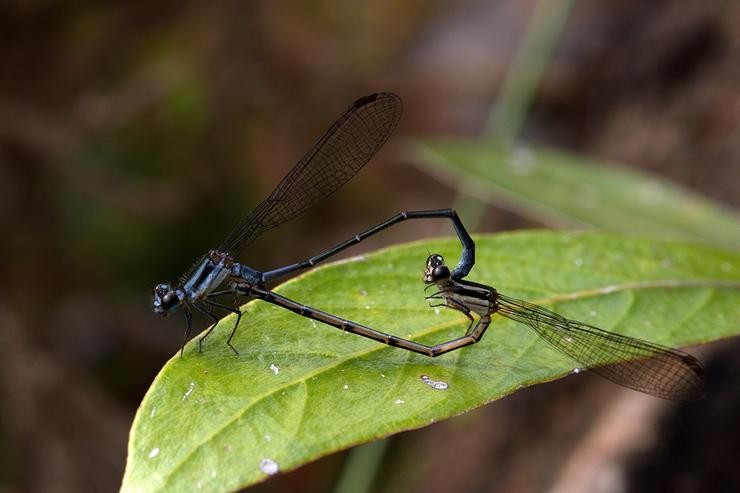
(133, 135)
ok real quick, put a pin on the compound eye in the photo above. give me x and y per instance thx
(435, 260)
(169, 300)
(161, 289)
(440, 272)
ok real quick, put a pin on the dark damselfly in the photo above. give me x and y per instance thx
(343, 150)
(640, 365)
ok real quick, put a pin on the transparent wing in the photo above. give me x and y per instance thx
(343, 150)
(633, 363)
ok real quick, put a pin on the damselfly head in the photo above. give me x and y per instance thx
(436, 270)
(165, 299)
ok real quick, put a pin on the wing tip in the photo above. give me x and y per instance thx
(371, 98)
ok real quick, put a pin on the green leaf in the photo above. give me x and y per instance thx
(300, 390)
(567, 190)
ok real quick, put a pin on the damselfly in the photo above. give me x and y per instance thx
(342, 151)
(633, 363)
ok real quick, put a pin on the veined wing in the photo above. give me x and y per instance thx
(633, 363)
(343, 150)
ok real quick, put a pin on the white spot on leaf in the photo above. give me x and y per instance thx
(435, 384)
(269, 466)
(651, 193)
(189, 391)
(522, 161)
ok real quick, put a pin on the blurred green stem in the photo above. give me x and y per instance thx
(526, 70)
(361, 467)
(518, 89)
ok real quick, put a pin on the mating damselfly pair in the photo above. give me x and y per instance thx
(338, 155)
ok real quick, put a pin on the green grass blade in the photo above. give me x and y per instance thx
(525, 72)
(566, 190)
(298, 390)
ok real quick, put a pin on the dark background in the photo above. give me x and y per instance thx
(133, 135)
